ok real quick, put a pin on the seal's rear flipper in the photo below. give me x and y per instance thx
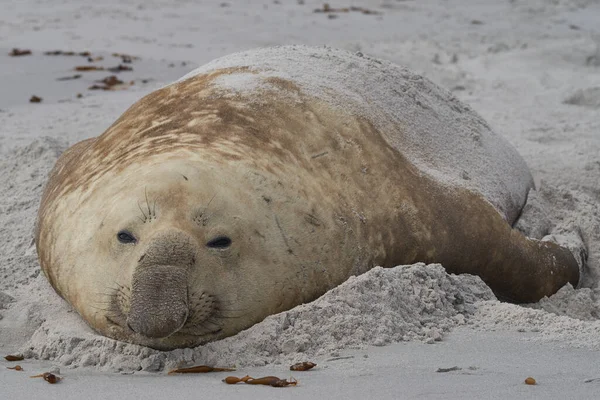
(575, 244)
(539, 219)
(517, 268)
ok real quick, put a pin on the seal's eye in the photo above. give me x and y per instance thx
(220, 242)
(126, 237)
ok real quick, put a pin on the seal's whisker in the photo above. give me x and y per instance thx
(228, 309)
(221, 309)
(221, 316)
(147, 202)
(105, 294)
(122, 291)
(154, 207)
(117, 287)
(213, 321)
(100, 308)
(124, 295)
(103, 302)
(142, 211)
(113, 291)
(120, 287)
(224, 304)
(117, 284)
(205, 323)
(210, 201)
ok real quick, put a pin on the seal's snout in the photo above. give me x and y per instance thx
(159, 290)
(159, 301)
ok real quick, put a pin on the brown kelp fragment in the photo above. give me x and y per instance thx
(67, 53)
(284, 383)
(35, 99)
(126, 58)
(303, 366)
(199, 369)
(265, 380)
(48, 377)
(19, 52)
(111, 83)
(232, 380)
(14, 358)
(272, 381)
(327, 9)
(69, 78)
(85, 68)
(16, 368)
(455, 368)
(120, 68)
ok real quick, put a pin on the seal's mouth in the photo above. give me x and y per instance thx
(178, 339)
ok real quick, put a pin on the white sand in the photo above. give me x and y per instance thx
(531, 69)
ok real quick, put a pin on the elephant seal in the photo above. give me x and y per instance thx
(265, 178)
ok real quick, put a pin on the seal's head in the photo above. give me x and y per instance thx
(174, 239)
(171, 254)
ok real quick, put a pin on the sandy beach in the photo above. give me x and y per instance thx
(531, 69)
